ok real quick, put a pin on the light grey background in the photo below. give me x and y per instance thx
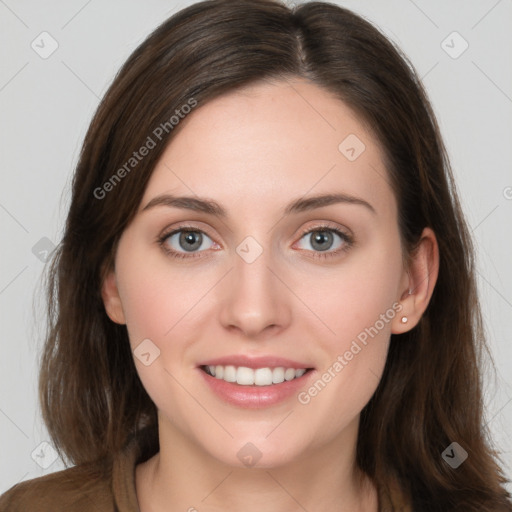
(46, 105)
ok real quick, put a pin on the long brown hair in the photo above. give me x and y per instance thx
(430, 394)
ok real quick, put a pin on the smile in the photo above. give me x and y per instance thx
(245, 376)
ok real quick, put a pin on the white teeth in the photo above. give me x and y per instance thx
(245, 376)
(230, 374)
(278, 375)
(289, 374)
(260, 377)
(263, 377)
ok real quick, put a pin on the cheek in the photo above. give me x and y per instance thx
(359, 307)
(146, 305)
(360, 291)
(163, 303)
(158, 302)
(156, 293)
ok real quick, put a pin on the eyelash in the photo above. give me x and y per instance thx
(347, 239)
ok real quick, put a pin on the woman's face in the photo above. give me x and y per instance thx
(269, 284)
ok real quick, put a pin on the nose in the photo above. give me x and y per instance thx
(255, 299)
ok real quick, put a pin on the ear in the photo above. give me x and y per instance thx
(111, 298)
(417, 283)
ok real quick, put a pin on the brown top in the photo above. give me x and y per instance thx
(84, 488)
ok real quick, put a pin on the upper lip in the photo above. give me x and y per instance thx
(255, 362)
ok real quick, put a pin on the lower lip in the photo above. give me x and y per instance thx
(255, 397)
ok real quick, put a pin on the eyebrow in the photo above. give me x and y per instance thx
(211, 207)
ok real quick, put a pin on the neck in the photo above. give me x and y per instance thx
(182, 476)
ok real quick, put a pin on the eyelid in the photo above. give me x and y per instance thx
(311, 227)
(326, 225)
(344, 233)
(185, 226)
(170, 231)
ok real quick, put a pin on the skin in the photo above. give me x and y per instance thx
(254, 151)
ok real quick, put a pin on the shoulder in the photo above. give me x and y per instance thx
(77, 489)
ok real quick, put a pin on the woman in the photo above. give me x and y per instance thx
(265, 293)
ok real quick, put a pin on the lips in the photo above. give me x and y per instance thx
(238, 389)
(256, 362)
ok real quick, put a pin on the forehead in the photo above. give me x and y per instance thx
(269, 142)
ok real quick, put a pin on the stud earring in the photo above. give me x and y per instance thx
(404, 319)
